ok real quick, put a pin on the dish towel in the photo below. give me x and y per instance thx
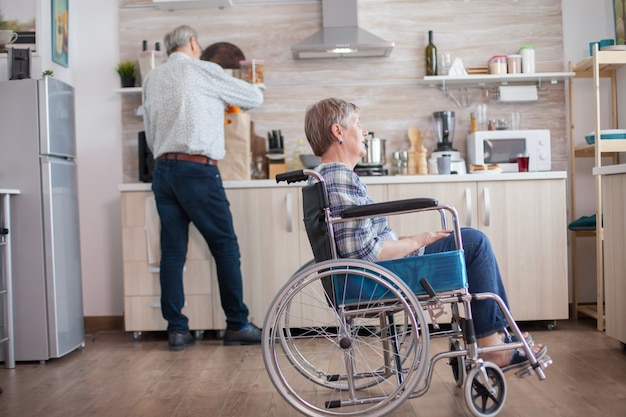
(583, 223)
(153, 231)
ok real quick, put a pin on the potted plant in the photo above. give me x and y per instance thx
(126, 71)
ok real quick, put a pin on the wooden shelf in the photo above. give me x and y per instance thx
(128, 90)
(603, 64)
(609, 149)
(501, 79)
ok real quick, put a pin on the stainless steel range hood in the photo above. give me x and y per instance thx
(192, 4)
(341, 35)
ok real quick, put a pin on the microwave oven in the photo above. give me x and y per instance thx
(502, 147)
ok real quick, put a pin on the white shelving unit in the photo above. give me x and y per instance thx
(602, 64)
(457, 88)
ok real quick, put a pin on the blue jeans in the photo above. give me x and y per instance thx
(191, 192)
(483, 275)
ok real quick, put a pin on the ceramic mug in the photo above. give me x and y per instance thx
(7, 37)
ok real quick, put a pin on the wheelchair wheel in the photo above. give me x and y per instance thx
(485, 397)
(329, 358)
(457, 363)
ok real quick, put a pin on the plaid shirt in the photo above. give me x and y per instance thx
(361, 239)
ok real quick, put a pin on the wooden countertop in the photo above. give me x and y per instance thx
(388, 179)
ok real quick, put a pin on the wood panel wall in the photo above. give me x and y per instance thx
(388, 90)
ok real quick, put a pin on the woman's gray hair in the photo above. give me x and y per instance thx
(319, 119)
(178, 37)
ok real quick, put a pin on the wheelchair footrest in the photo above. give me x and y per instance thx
(544, 362)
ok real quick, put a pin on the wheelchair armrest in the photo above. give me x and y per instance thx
(389, 207)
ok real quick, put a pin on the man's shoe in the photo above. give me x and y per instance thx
(178, 341)
(251, 335)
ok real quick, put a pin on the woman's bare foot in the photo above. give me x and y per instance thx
(501, 358)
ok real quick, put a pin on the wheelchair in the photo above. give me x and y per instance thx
(347, 337)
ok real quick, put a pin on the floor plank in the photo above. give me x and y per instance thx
(114, 376)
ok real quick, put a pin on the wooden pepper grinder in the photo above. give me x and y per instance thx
(422, 163)
(414, 139)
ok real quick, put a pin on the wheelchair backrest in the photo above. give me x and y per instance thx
(315, 205)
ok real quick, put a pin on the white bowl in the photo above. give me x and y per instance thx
(310, 161)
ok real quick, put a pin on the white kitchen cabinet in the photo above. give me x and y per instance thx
(142, 307)
(526, 225)
(273, 244)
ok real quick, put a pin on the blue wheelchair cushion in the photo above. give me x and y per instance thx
(445, 271)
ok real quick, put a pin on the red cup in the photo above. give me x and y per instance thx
(522, 163)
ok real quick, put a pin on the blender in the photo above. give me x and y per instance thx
(443, 125)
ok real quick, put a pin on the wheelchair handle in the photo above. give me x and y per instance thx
(292, 176)
(299, 175)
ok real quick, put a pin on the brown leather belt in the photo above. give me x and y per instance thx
(200, 159)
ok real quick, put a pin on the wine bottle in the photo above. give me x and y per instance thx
(431, 55)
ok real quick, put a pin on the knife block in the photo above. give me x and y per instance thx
(275, 165)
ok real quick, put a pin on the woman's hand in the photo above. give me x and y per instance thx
(394, 249)
(426, 238)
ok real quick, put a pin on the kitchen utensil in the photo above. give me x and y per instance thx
(375, 155)
(414, 137)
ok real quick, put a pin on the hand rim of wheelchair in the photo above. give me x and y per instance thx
(414, 358)
(287, 343)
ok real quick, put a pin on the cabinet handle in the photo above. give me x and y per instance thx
(487, 206)
(468, 207)
(289, 213)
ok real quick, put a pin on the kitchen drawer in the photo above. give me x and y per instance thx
(143, 279)
(135, 245)
(144, 313)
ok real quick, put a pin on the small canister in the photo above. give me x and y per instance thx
(252, 71)
(528, 59)
(514, 64)
(497, 64)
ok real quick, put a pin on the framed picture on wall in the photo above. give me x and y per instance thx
(60, 32)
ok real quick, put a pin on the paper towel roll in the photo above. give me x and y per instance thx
(510, 93)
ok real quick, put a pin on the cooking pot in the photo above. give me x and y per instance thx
(375, 154)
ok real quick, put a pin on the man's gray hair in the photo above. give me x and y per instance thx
(178, 37)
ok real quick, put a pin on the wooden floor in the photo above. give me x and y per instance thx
(114, 376)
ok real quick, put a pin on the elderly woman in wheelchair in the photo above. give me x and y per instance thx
(369, 284)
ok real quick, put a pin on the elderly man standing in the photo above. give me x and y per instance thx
(184, 101)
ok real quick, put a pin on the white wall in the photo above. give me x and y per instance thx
(93, 57)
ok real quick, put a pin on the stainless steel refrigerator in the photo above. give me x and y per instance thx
(38, 157)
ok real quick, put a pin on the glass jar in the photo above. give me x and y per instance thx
(497, 64)
(514, 64)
